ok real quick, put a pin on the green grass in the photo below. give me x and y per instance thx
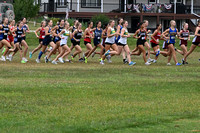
(92, 98)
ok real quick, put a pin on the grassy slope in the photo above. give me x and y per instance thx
(92, 98)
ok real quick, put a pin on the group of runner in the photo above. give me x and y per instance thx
(111, 39)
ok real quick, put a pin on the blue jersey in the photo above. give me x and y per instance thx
(56, 39)
(97, 34)
(1, 35)
(25, 28)
(117, 39)
(18, 37)
(47, 38)
(172, 36)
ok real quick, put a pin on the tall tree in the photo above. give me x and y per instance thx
(25, 8)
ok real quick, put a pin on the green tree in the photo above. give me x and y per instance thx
(100, 17)
(25, 8)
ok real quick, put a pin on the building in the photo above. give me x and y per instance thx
(156, 11)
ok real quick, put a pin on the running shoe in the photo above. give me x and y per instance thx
(37, 60)
(10, 58)
(155, 61)
(54, 62)
(147, 63)
(169, 64)
(60, 60)
(3, 58)
(23, 61)
(132, 63)
(46, 59)
(102, 62)
(150, 60)
(178, 64)
(183, 62)
(81, 60)
(93, 54)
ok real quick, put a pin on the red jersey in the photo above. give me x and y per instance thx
(87, 39)
(10, 37)
(185, 35)
(42, 33)
(157, 38)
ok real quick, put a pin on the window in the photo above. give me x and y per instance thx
(91, 3)
(61, 2)
(152, 1)
(177, 1)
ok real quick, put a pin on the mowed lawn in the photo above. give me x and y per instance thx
(92, 98)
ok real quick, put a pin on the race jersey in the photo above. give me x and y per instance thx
(172, 36)
(88, 39)
(123, 40)
(142, 34)
(19, 33)
(184, 35)
(117, 39)
(197, 38)
(111, 40)
(42, 33)
(78, 35)
(6, 29)
(65, 37)
(97, 35)
(157, 38)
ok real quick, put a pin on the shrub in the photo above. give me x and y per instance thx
(100, 17)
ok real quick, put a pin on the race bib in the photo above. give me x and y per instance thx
(173, 37)
(143, 38)
(185, 38)
(19, 36)
(15, 39)
(98, 38)
(43, 36)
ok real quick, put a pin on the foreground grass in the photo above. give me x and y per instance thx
(87, 98)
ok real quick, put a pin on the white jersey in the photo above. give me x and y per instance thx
(64, 36)
(111, 40)
(123, 40)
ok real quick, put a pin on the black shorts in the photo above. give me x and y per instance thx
(24, 38)
(56, 39)
(169, 44)
(120, 44)
(46, 41)
(183, 44)
(141, 42)
(75, 43)
(107, 43)
(85, 42)
(96, 42)
(18, 40)
(196, 43)
(41, 40)
(153, 44)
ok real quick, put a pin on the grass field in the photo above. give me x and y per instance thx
(92, 98)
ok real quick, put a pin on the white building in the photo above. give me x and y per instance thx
(156, 11)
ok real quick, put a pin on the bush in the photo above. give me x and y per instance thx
(25, 8)
(100, 17)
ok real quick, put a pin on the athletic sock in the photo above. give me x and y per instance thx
(40, 54)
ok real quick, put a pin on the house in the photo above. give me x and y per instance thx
(156, 11)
